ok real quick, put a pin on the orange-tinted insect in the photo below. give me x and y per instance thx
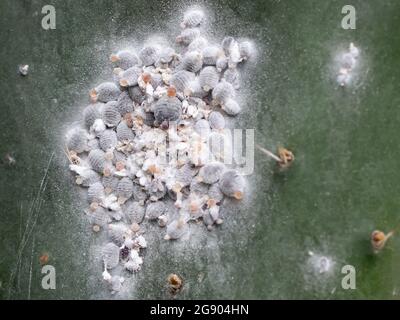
(44, 258)
(171, 91)
(146, 77)
(175, 283)
(378, 239)
(286, 156)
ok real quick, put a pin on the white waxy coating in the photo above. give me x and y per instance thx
(231, 107)
(95, 192)
(182, 79)
(167, 108)
(107, 91)
(193, 18)
(233, 53)
(89, 177)
(354, 50)
(188, 35)
(185, 174)
(227, 43)
(97, 160)
(162, 220)
(192, 61)
(232, 184)
(129, 77)
(141, 242)
(124, 133)
(91, 113)
(118, 232)
(125, 188)
(347, 64)
(215, 193)
(155, 209)
(119, 156)
(199, 187)
(23, 69)
(211, 217)
(211, 54)
(135, 261)
(98, 127)
(135, 212)
(208, 78)
(98, 217)
(110, 183)
(176, 229)
(347, 61)
(211, 172)
(222, 92)
(246, 50)
(198, 44)
(194, 89)
(166, 55)
(344, 79)
(202, 127)
(156, 80)
(148, 55)
(111, 115)
(156, 190)
(124, 59)
(110, 254)
(219, 145)
(93, 144)
(77, 140)
(108, 139)
(116, 283)
(221, 63)
(232, 76)
(138, 193)
(216, 120)
(136, 94)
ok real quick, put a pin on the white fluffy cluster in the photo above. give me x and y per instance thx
(153, 145)
(348, 62)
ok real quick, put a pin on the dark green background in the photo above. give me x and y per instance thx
(343, 185)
